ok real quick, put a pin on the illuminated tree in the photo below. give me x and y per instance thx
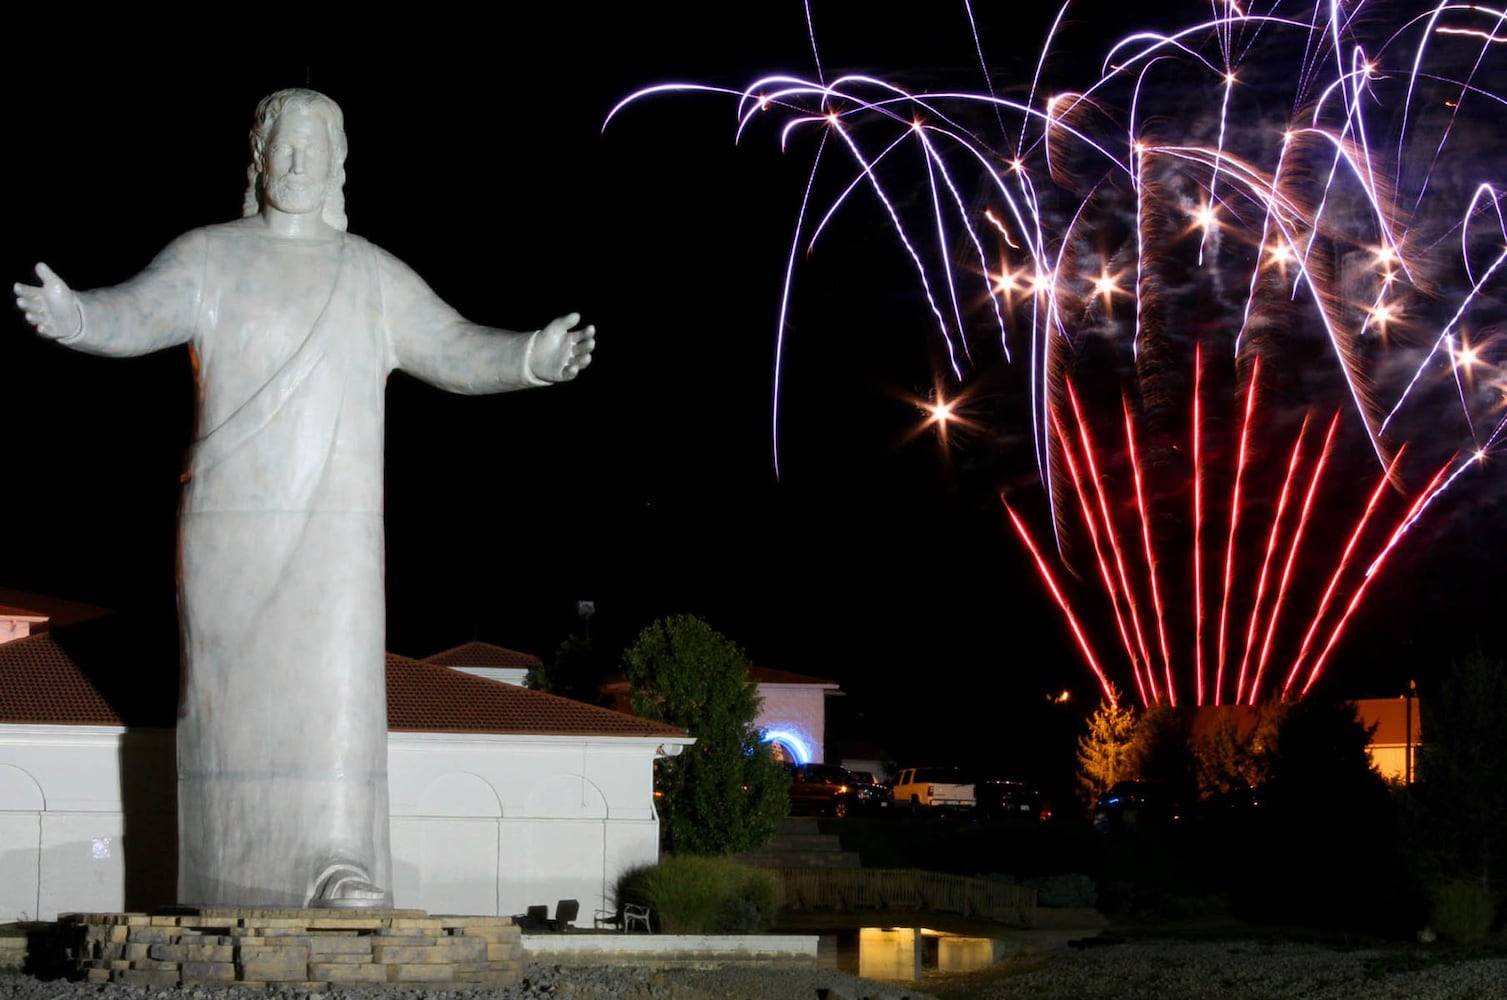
(1105, 751)
(725, 793)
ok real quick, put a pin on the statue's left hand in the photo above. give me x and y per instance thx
(559, 352)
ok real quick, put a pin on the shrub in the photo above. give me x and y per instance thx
(1461, 912)
(691, 894)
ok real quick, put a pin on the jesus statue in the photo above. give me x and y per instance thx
(293, 325)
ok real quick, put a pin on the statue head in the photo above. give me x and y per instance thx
(307, 102)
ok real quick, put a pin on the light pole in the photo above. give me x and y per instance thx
(1407, 704)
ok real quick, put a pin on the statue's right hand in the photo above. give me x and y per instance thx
(51, 307)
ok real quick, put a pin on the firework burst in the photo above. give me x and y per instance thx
(1253, 268)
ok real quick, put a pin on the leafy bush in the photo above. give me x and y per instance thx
(1461, 912)
(691, 894)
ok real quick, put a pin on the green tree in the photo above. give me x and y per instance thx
(1105, 750)
(725, 793)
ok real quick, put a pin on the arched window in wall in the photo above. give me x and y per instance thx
(788, 745)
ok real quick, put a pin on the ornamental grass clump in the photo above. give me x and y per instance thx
(690, 894)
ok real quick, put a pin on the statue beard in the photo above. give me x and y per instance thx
(294, 195)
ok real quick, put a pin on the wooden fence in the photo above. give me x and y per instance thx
(908, 889)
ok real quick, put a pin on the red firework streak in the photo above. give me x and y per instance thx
(1151, 573)
(1046, 574)
(1198, 526)
(1145, 677)
(1130, 579)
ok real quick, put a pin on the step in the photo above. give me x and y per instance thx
(798, 824)
(806, 842)
(800, 859)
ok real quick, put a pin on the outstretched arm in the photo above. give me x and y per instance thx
(434, 343)
(151, 311)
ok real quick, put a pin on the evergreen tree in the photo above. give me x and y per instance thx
(1105, 750)
(726, 793)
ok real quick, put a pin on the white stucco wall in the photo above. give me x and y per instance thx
(493, 824)
(63, 838)
(798, 709)
(480, 824)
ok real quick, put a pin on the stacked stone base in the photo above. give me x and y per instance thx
(312, 950)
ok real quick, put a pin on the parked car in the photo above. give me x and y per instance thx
(823, 790)
(1001, 798)
(1137, 806)
(940, 789)
(872, 795)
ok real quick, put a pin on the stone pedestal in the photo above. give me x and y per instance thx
(307, 949)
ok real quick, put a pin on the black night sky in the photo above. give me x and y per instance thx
(477, 155)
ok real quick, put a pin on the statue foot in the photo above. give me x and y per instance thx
(346, 886)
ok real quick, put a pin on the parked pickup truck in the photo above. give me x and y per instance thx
(940, 788)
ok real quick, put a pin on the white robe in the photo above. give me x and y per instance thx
(282, 728)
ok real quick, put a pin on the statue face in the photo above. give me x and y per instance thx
(296, 163)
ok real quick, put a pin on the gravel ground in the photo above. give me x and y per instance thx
(1132, 970)
(540, 981)
(1233, 970)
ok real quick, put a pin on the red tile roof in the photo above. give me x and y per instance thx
(41, 685)
(58, 611)
(77, 677)
(427, 697)
(482, 654)
(766, 675)
(616, 685)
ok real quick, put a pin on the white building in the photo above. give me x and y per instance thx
(792, 711)
(501, 797)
